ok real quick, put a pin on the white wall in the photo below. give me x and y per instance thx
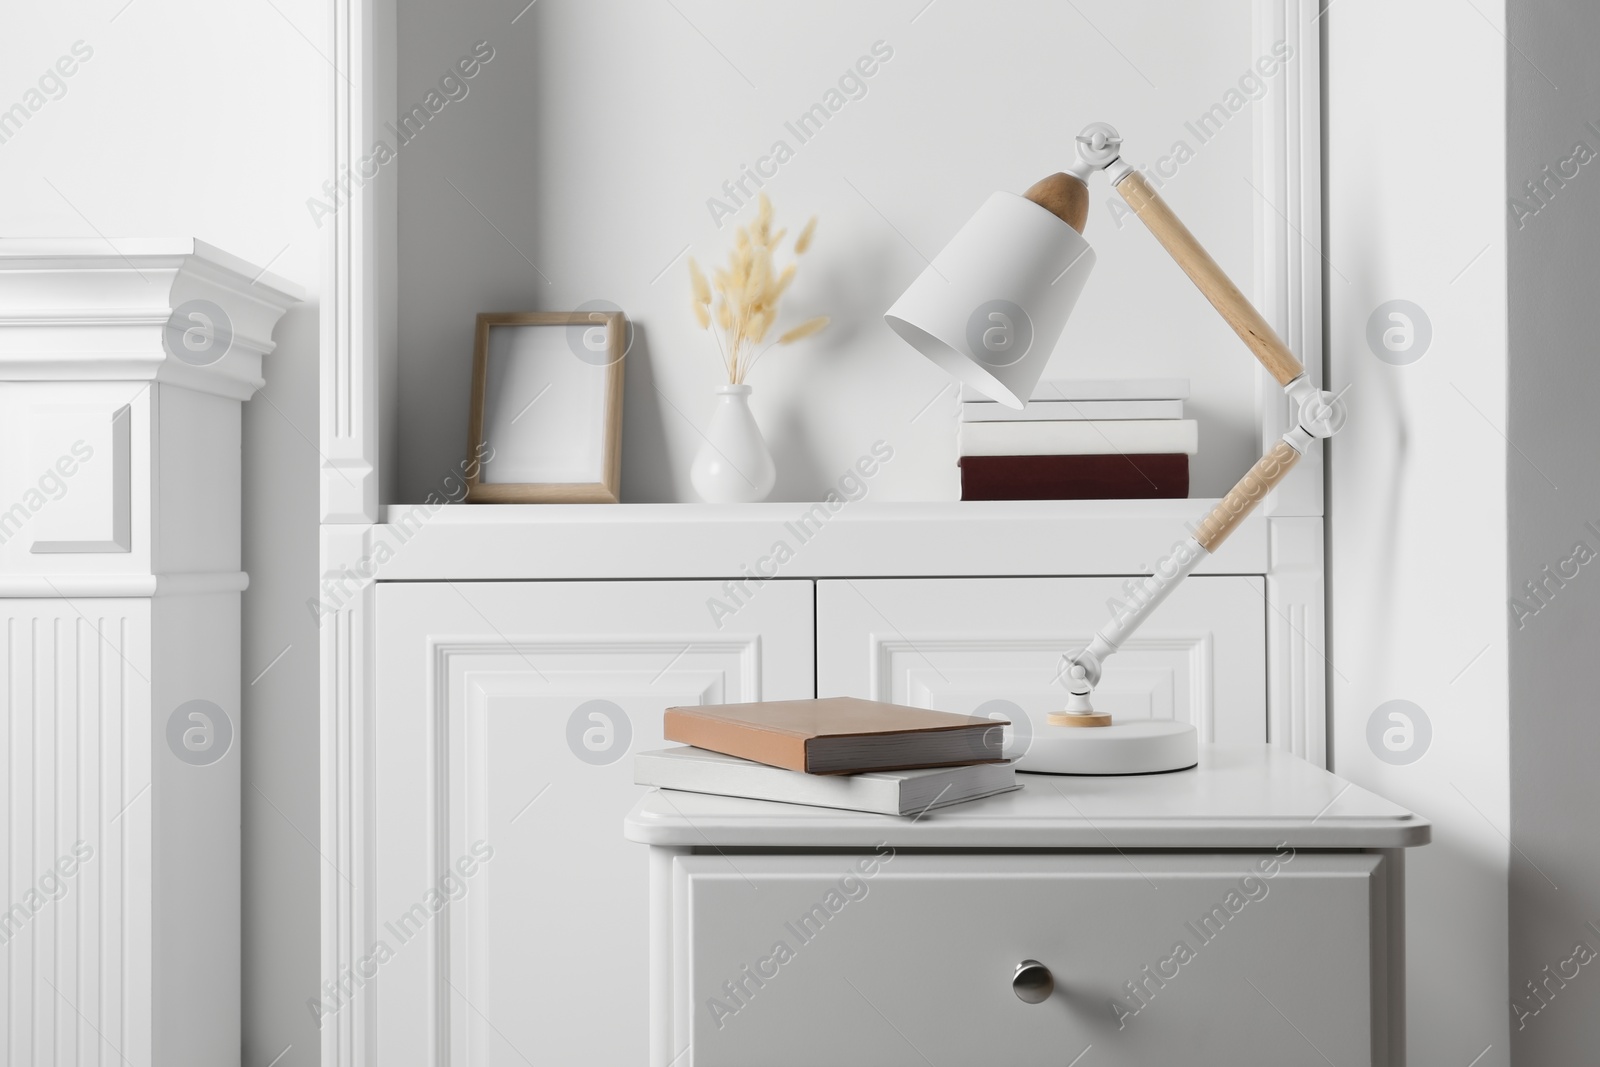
(1417, 480)
(1554, 242)
(195, 118)
(580, 162)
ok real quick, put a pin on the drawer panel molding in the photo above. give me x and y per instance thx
(997, 646)
(889, 958)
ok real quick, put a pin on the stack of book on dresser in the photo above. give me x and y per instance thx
(1079, 440)
(839, 752)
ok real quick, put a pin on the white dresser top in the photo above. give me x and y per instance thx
(1238, 797)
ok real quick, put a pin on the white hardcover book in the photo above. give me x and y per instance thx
(912, 792)
(1073, 411)
(1094, 438)
(1098, 389)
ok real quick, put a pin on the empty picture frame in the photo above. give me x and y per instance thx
(547, 408)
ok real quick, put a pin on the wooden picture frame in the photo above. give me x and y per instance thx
(513, 353)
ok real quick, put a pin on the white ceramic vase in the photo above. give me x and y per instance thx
(733, 465)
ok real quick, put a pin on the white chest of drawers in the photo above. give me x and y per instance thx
(1248, 911)
(495, 678)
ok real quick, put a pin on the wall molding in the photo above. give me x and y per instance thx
(356, 308)
(73, 311)
(196, 583)
(1297, 665)
(445, 793)
(348, 926)
(1287, 131)
(1198, 652)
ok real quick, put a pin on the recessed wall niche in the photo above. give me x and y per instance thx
(586, 158)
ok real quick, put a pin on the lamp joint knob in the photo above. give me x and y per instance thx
(1318, 412)
(1099, 144)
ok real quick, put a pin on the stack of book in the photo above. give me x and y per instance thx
(1079, 440)
(834, 753)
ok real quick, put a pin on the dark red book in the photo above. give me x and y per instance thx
(1110, 477)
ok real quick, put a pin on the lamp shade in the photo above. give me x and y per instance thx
(991, 306)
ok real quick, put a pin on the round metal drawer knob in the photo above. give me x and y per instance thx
(1033, 983)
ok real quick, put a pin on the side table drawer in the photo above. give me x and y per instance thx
(885, 959)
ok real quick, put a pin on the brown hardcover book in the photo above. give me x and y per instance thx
(1111, 477)
(838, 735)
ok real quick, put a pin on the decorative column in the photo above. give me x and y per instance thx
(122, 373)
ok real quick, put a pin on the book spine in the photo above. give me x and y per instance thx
(1087, 438)
(882, 794)
(760, 782)
(735, 739)
(1074, 411)
(1136, 477)
(1103, 389)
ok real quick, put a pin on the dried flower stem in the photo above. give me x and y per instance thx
(743, 298)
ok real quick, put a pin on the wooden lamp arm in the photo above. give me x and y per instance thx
(1318, 414)
(1146, 595)
(1218, 288)
(1246, 493)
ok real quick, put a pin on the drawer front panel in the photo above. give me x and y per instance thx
(800, 961)
(995, 646)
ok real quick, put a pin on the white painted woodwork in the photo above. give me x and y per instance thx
(77, 484)
(956, 645)
(1298, 675)
(77, 760)
(99, 517)
(358, 383)
(917, 967)
(1095, 877)
(1288, 227)
(1246, 796)
(372, 535)
(1022, 537)
(120, 579)
(476, 684)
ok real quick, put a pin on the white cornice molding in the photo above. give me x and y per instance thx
(90, 585)
(92, 310)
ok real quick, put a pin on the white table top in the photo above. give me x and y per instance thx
(1238, 797)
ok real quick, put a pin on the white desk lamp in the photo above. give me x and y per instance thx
(989, 310)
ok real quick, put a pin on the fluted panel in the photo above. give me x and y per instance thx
(75, 814)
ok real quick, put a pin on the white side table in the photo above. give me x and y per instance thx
(122, 373)
(1248, 911)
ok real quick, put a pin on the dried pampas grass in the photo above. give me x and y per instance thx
(804, 330)
(743, 298)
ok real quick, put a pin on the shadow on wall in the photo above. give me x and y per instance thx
(279, 722)
(647, 460)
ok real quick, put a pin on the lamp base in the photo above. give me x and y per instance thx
(1144, 747)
